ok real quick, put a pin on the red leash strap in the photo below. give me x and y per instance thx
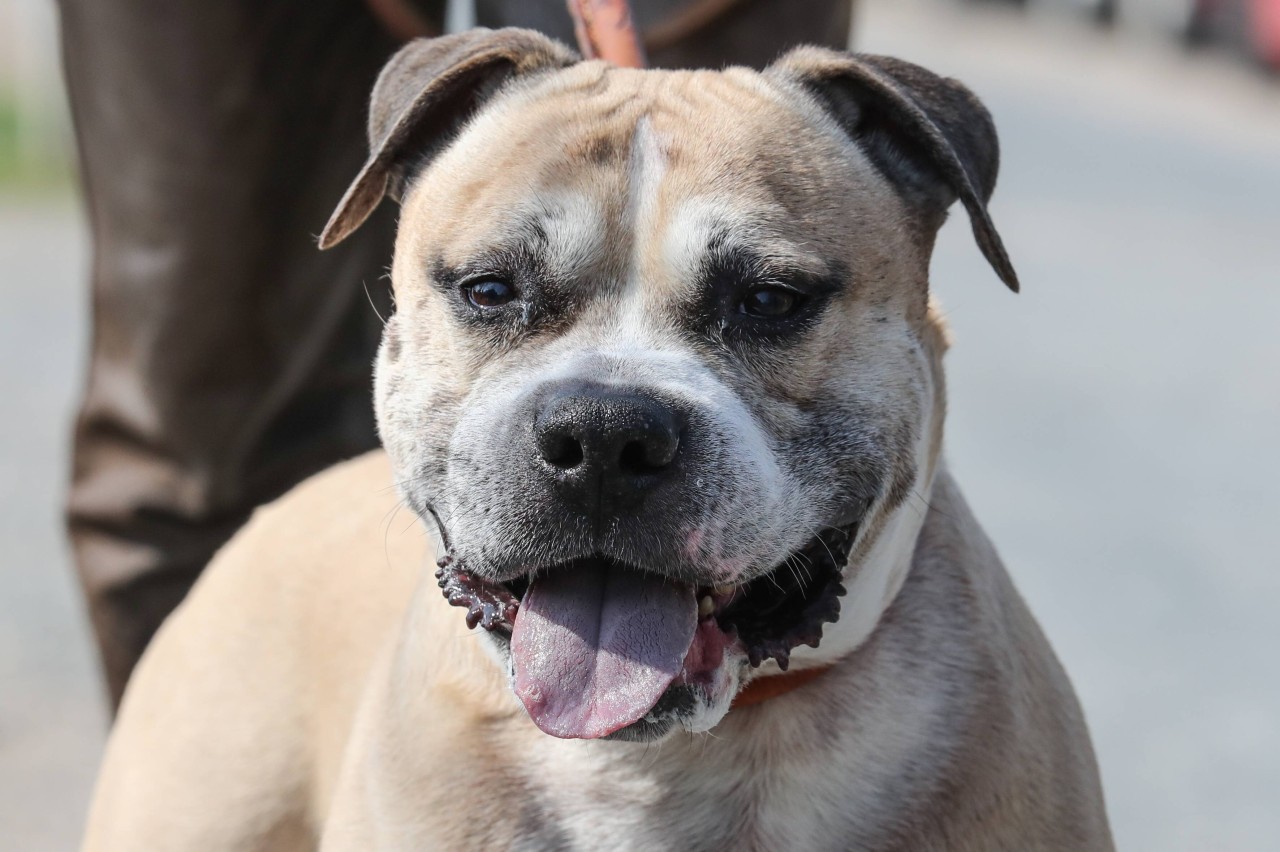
(605, 31)
(604, 28)
(401, 20)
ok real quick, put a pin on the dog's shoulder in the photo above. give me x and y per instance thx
(342, 512)
(1022, 770)
(335, 555)
(237, 716)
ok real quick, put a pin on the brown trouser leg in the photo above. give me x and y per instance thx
(230, 358)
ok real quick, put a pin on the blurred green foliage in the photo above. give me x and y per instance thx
(35, 147)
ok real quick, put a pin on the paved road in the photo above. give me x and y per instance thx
(1115, 426)
(51, 719)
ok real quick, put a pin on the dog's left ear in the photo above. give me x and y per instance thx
(423, 96)
(930, 136)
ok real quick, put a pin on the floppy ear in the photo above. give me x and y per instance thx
(421, 100)
(929, 135)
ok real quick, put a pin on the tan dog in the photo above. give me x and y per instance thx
(665, 382)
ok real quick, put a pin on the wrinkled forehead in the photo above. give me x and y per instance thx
(620, 168)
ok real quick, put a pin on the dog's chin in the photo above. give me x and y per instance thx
(677, 706)
(736, 627)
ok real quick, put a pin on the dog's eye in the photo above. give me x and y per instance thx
(770, 303)
(488, 293)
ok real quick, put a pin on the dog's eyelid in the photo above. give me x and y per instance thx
(786, 282)
(802, 282)
(748, 267)
(513, 265)
(471, 279)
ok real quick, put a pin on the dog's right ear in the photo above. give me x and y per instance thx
(423, 97)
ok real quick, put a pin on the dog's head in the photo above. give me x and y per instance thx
(663, 355)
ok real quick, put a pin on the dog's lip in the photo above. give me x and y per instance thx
(756, 619)
(494, 603)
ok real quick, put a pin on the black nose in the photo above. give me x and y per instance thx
(606, 447)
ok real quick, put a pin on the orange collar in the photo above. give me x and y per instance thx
(762, 689)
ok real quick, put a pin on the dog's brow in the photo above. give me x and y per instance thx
(758, 256)
(556, 232)
(523, 245)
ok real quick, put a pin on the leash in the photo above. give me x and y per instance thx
(401, 20)
(606, 31)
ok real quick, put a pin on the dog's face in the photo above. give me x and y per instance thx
(662, 344)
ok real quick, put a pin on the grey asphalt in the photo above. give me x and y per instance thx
(1115, 426)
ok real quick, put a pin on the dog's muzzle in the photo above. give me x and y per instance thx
(598, 645)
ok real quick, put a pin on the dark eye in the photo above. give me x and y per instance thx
(770, 303)
(488, 293)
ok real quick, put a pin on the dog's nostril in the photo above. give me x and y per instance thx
(634, 458)
(566, 453)
(640, 457)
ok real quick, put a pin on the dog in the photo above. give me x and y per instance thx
(664, 386)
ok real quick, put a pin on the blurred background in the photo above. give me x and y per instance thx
(1115, 426)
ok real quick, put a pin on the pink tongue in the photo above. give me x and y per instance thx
(596, 646)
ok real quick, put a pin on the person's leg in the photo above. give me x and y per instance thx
(698, 33)
(230, 358)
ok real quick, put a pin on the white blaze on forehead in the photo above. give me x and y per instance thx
(646, 169)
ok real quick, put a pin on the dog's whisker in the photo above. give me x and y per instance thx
(816, 533)
(389, 518)
(369, 297)
(930, 507)
(409, 526)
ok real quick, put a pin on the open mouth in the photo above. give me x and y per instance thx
(596, 643)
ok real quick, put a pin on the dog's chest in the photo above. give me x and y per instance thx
(675, 795)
